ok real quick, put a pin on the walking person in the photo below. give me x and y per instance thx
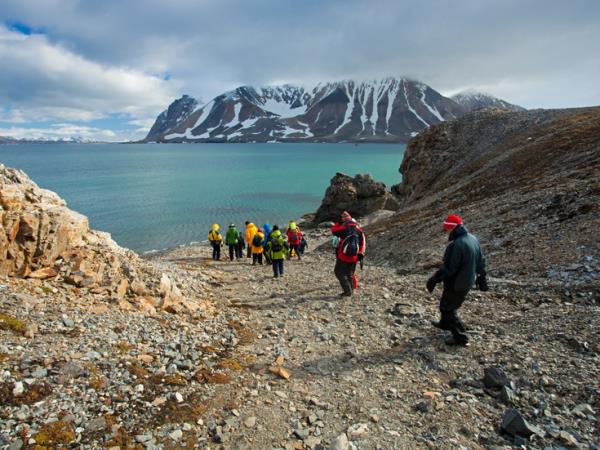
(257, 247)
(239, 249)
(250, 232)
(277, 248)
(267, 232)
(216, 240)
(294, 237)
(463, 266)
(231, 239)
(350, 249)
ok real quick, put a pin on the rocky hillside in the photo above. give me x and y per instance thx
(527, 183)
(388, 110)
(473, 100)
(41, 239)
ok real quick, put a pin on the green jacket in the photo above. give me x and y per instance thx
(232, 236)
(275, 238)
(463, 259)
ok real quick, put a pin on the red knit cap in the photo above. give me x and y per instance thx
(346, 215)
(451, 221)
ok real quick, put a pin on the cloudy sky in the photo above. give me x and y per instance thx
(105, 69)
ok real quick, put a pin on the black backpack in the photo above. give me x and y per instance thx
(256, 241)
(276, 245)
(351, 243)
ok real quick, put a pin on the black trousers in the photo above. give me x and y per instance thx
(449, 303)
(239, 250)
(249, 252)
(344, 272)
(216, 254)
(257, 257)
(296, 248)
(232, 251)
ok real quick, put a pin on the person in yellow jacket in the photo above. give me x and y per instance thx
(250, 232)
(215, 239)
(257, 247)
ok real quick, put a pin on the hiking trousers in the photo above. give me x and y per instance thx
(216, 254)
(277, 267)
(239, 251)
(296, 248)
(344, 272)
(450, 301)
(232, 251)
(257, 258)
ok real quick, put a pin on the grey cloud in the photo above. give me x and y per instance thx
(532, 52)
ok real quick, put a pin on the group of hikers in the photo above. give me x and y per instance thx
(258, 241)
(463, 267)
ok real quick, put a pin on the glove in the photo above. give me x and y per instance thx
(360, 257)
(431, 284)
(481, 283)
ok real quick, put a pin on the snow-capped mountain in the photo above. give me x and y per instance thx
(387, 110)
(472, 100)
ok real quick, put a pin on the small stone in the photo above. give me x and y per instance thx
(97, 424)
(69, 323)
(178, 397)
(568, 438)
(250, 422)
(301, 433)
(139, 388)
(375, 418)
(159, 401)
(340, 443)
(176, 435)
(40, 373)
(18, 389)
(508, 396)
(186, 427)
(281, 372)
(145, 358)
(141, 438)
(357, 431)
(494, 378)
(515, 424)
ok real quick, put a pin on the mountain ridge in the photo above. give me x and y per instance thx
(379, 110)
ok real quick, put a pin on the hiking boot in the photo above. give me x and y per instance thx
(439, 325)
(461, 342)
(345, 294)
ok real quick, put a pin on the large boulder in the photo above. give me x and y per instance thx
(359, 196)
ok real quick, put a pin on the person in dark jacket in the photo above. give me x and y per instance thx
(464, 265)
(350, 249)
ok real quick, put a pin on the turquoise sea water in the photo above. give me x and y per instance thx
(153, 197)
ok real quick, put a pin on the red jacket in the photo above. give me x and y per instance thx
(341, 230)
(298, 236)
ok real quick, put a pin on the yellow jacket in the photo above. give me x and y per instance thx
(214, 235)
(251, 230)
(258, 250)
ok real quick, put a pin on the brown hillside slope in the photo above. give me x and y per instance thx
(526, 183)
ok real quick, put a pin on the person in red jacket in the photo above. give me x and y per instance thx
(350, 250)
(294, 237)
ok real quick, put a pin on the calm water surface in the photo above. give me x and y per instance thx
(152, 196)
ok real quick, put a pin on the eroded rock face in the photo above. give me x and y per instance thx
(42, 239)
(359, 196)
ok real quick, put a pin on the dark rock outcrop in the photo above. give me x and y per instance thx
(359, 196)
(526, 183)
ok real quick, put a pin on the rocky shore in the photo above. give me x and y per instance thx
(100, 348)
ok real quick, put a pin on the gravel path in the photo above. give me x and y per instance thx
(285, 363)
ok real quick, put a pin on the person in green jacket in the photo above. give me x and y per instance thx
(232, 239)
(464, 266)
(277, 249)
